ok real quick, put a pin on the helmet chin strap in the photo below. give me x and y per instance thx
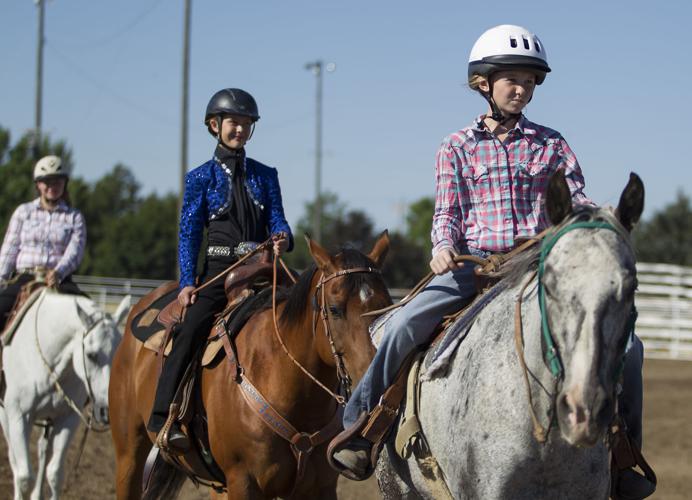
(497, 113)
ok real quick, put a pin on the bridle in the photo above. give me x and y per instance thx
(320, 307)
(551, 353)
(86, 420)
(345, 380)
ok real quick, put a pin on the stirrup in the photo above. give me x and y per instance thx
(341, 442)
(162, 438)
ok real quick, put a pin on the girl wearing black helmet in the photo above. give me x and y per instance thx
(238, 200)
(490, 183)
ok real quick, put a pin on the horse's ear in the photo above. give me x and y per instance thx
(380, 249)
(631, 202)
(320, 256)
(84, 316)
(558, 200)
(122, 310)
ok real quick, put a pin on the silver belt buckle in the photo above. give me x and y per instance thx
(244, 248)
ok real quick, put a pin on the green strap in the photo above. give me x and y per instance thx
(552, 356)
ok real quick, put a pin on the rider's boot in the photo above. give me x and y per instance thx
(355, 456)
(631, 485)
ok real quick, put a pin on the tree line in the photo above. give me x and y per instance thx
(134, 235)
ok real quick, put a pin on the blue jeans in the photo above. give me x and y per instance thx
(411, 326)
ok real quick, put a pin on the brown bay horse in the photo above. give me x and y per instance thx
(256, 461)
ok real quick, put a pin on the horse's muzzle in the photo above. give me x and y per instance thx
(583, 418)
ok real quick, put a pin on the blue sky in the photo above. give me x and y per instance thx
(619, 91)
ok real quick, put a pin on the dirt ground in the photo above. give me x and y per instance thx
(667, 445)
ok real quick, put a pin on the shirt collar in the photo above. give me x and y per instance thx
(523, 125)
(60, 207)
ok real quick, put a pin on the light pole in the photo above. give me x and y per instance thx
(316, 68)
(41, 4)
(184, 101)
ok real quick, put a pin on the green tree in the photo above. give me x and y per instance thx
(667, 236)
(419, 223)
(127, 235)
(340, 227)
(407, 261)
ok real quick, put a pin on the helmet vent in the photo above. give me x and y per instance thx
(538, 45)
(526, 43)
(513, 42)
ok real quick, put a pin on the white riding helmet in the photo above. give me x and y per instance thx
(50, 166)
(505, 47)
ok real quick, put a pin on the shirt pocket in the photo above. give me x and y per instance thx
(531, 182)
(476, 182)
(60, 233)
(32, 232)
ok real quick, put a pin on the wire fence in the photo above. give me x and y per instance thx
(663, 299)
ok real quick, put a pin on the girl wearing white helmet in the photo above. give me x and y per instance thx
(45, 237)
(490, 182)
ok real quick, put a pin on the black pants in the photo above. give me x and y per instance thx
(8, 296)
(187, 339)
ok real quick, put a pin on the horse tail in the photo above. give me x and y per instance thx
(164, 483)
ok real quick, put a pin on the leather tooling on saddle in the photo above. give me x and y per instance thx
(25, 299)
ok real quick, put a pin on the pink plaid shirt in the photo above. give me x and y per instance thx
(40, 238)
(489, 193)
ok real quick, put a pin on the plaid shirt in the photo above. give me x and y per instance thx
(489, 193)
(40, 238)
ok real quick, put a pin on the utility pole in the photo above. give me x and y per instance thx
(316, 68)
(41, 4)
(184, 102)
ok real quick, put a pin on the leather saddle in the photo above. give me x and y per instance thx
(25, 299)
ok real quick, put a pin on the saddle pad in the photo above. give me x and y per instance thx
(437, 358)
(154, 342)
(8, 333)
(144, 324)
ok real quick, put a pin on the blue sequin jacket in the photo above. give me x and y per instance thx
(207, 195)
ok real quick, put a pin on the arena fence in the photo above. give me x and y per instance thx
(664, 302)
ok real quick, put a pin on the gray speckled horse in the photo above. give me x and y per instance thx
(475, 414)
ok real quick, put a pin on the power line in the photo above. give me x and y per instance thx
(152, 113)
(105, 40)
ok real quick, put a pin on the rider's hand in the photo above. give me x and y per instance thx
(443, 261)
(52, 279)
(280, 243)
(186, 297)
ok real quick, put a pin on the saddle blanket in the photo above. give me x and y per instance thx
(438, 356)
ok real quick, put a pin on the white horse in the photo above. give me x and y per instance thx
(58, 359)
(475, 412)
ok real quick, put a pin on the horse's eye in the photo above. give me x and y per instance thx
(336, 312)
(92, 356)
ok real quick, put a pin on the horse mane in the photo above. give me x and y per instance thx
(519, 266)
(297, 302)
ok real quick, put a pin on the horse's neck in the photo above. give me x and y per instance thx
(51, 330)
(304, 345)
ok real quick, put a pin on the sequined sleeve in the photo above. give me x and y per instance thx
(277, 219)
(192, 220)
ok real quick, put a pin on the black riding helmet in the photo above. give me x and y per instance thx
(230, 101)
